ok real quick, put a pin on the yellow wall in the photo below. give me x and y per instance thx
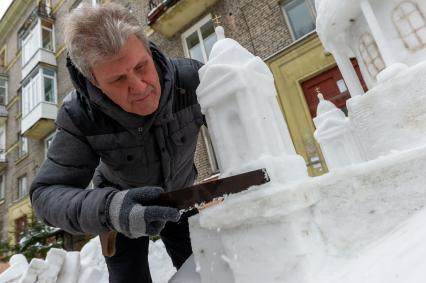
(298, 63)
(17, 210)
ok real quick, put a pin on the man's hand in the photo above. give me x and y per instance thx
(129, 214)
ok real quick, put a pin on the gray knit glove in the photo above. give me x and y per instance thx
(129, 214)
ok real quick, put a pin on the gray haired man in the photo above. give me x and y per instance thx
(131, 125)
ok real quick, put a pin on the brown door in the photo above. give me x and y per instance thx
(333, 87)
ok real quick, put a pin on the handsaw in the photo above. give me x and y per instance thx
(189, 197)
(205, 192)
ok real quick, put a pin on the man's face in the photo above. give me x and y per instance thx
(130, 78)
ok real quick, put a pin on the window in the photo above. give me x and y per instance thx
(47, 143)
(300, 15)
(19, 103)
(39, 87)
(214, 167)
(370, 55)
(23, 146)
(3, 91)
(198, 40)
(2, 185)
(30, 45)
(47, 36)
(22, 186)
(3, 143)
(410, 22)
(41, 36)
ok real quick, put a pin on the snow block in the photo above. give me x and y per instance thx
(70, 269)
(18, 266)
(241, 234)
(35, 269)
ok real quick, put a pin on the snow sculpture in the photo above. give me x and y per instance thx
(388, 39)
(334, 135)
(87, 266)
(313, 230)
(238, 97)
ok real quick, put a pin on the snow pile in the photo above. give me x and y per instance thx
(87, 266)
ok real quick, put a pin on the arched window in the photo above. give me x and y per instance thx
(370, 55)
(410, 22)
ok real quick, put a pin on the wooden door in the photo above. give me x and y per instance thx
(333, 87)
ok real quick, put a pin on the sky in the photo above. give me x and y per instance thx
(4, 4)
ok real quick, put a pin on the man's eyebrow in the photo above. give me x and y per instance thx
(141, 63)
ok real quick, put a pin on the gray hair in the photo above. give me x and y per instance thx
(93, 34)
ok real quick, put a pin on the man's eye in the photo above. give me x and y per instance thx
(140, 67)
(120, 78)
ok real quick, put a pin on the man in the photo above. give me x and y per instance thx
(132, 125)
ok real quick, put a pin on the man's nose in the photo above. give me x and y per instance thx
(136, 84)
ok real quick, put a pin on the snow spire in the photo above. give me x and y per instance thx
(220, 32)
(323, 105)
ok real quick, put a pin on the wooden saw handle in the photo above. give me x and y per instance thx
(108, 243)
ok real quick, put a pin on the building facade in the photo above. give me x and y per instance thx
(34, 79)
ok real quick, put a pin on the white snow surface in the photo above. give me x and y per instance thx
(87, 266)
(398, 257)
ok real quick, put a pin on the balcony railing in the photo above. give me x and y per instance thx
(157, 8)
(154, 4)
(168, 17)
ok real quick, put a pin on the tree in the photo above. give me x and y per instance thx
(35, 241)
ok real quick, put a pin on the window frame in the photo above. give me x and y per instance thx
(3, 143)
(196, 28)
(33, 94)
(399, 15)
(313, 13)
(6, 89)
(22, 180)
(50, 138)
(22, 146)
(365, 42)
(36, 31)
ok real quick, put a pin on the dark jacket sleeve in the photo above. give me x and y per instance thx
(58, 192)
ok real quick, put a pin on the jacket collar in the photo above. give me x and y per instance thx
(131, 121)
